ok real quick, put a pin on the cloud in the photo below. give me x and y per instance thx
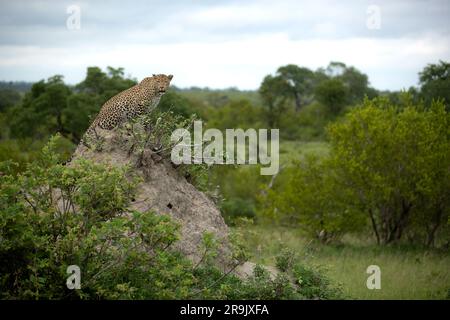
(222, 43)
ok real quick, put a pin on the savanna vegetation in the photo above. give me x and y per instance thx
(364, 180)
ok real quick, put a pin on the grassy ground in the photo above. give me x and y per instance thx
(296, 150)
(406, 272)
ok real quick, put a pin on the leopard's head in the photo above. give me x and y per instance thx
(158, 83)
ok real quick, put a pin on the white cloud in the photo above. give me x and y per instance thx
(221, 44)
(243, 62)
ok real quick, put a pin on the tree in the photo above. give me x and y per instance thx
(52, 106)
(54, 216)
(333, 94)
(435, 82)
(297, 83)
(396, 163)
(355, 82)
(236, 114)
(172, 101)
(313, 199)
(80, 112)
(271, 93)
(389, 166)
(104, 85)
(8, 98)
(41, 112)
(94, 82)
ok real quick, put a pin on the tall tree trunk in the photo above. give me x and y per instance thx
(374, 226)
(398, 225)
(298, 101)
(431, 234)
(59, 121)
(385, 227)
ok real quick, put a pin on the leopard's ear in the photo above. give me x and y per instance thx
(170, 76)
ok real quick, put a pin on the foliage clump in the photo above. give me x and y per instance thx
(53, 216)
(388, 169)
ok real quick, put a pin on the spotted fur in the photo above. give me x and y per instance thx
(132, 102)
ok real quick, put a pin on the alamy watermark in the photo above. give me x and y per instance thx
(373, 21)
(74, 279)
(374, 280)
(234, 149)
(73, 21)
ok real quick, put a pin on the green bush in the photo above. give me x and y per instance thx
(52, 106)
(308, 124)
(53, 216)
(8, 98)
(387, 169)
(285, 259)
(176, 103)
(313, 200)
(333, 94)
(236, 114)
(434, 82)
(24, 151)
(314, 285)
(235, 208)
(395, 160)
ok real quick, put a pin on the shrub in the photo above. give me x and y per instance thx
(313, 199)
(395, 160)
(237, 207)
(313, 284)
(333, 94)
(53, 216)
(388, 167)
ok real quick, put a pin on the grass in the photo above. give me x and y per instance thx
(406, 272)
(296, 150)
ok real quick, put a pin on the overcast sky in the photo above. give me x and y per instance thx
(223, 43)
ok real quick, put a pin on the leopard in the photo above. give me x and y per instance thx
(137, 100)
